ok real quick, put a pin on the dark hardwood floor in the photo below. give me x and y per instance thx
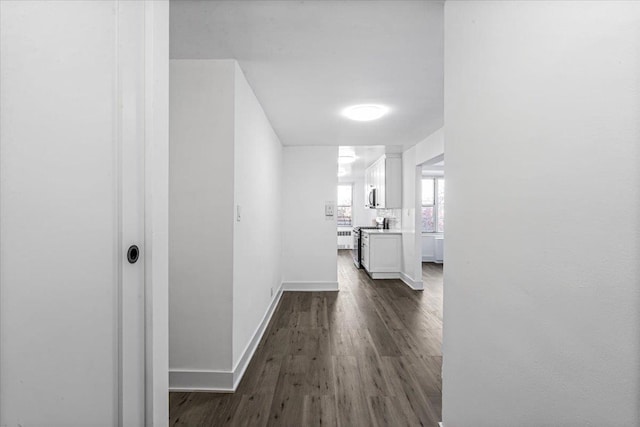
(368, 355)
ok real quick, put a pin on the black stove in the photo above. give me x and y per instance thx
(357, 248)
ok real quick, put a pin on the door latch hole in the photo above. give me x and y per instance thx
(132, 254)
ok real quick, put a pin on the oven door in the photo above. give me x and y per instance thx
(355, 252)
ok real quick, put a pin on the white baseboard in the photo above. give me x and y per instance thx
(416, 285)
(223, 381)
(250, 349)
(376, 276)
(309, 286)
(194, 380)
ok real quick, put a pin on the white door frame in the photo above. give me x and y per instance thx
(156, 233)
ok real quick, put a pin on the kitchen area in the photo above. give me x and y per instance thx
(370, 211)
(369, 208)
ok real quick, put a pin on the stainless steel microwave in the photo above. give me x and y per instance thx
(373, 198)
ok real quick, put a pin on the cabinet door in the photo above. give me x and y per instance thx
(365, 255)
(385, 253)
(393, 183)
(367, 186)
(365, 250)
(382, 188)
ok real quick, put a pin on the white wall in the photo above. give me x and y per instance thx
(309, 254)
(257, 239)
(225, 274)
(411, 253)
(201, 214)
(412, 240)
(542, 321)
(431, 147)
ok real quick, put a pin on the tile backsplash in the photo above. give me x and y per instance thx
(394, 214)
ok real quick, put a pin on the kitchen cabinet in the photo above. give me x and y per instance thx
(385, 175)
(382, 253)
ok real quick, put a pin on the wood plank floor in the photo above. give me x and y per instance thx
(368, 355)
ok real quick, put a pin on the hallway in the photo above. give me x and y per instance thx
(367, 355)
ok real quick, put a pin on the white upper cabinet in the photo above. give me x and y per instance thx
(385, 175)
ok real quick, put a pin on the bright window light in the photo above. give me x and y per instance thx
(365, 112)
(346, 159)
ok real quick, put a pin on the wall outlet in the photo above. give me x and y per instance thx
(272, 291)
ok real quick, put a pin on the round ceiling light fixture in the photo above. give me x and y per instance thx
(365, 112)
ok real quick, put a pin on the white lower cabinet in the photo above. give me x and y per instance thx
(382, 255)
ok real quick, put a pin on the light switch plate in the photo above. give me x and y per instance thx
(329, 210)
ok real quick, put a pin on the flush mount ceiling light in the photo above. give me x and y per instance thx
(346, 159)
(365, 112)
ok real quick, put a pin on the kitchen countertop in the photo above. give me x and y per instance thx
(374, 231)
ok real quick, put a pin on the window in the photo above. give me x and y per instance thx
(343, 209)
(433, 205)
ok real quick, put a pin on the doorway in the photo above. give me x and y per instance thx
(431, 209)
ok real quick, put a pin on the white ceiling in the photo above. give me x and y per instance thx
(436, 169)
(307, 60)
